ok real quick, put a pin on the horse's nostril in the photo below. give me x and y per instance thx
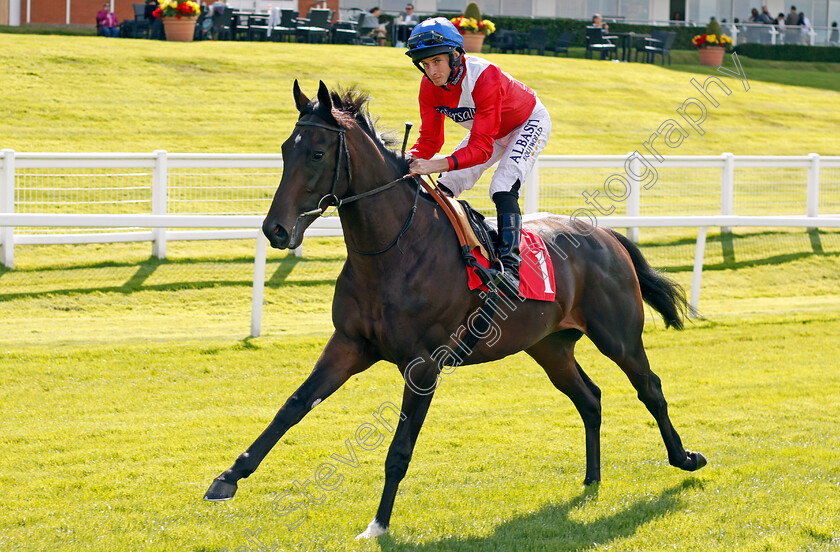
(277, 236)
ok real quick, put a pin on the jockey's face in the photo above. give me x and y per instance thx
(437, 68)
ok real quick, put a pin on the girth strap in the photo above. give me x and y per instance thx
(488, 309)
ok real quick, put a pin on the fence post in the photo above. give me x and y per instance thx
(159, 200)
(531, 192)
(813, 195)
(727, 188)
(697, 274)
(7, 205)
(634, 199)
(259, 285)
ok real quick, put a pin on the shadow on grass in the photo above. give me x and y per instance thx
(146, 268)
(812, 245)
(729, 244)
(553, 526)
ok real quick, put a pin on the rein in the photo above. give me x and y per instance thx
(491, 298)
(332, 200)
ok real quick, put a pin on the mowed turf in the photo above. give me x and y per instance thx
(129, 382)
(129, 385)
(91, 94)
(111, 447)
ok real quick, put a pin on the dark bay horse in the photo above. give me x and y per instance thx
(403, 293)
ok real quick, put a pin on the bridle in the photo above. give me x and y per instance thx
(332, 200)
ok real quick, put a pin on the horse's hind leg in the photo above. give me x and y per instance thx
(629, 354)
(555, 354)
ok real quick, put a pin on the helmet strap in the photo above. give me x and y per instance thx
(455, 66)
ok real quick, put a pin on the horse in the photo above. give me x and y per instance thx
(402, 293)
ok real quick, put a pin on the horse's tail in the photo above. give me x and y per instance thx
(664, 295)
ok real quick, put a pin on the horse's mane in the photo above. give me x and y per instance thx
(352, 105)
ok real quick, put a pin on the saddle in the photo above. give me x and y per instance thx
(477, 238)
(471, 229)
(477, 232)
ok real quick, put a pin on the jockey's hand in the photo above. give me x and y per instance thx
(429, 166)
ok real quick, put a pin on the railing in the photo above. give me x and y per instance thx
(157, 197)
(761, 33)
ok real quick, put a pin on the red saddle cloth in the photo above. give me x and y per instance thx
(536, 273)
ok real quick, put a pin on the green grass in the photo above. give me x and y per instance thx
(210, 97)
(129, 382)
(129, 385)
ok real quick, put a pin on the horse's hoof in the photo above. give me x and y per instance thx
(590, 481)
(373, 530)
(698, 460)
(220, 490)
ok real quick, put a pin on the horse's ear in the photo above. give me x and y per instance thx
(301, 100)
(324, 99)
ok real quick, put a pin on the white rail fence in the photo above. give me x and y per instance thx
(48, 198)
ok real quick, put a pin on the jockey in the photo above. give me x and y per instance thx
(506, 120)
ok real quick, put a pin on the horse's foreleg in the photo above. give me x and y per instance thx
(417, 396)
(341, 358)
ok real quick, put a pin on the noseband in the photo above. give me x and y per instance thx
(331, 199)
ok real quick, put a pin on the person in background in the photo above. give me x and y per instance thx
(596, 22)
(780, 26)
(406, 21)
(106, 22)
(792, 18)
(765, 16)
(804, 29)
(155, 23)
(370, 25)
(834, 37)
(754, 16)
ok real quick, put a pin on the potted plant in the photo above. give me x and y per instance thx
(179, 17)
(473, 28)
(712, 45)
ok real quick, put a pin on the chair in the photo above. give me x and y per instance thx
(536, 40)
(139, 27)
(505, 41)
(563, 43)
(287, 26)
(223, 24)
(317, 27)
(204, 25)
(345, 32)
(364, 35)
(660, 42)
(240, 25)
(597, 42)
(258, 27)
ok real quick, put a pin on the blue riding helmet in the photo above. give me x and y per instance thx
(434, 36)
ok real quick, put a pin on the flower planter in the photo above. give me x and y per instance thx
(473, 41)
(179, 30)
(711, 55)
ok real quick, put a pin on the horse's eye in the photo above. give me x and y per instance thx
(318, 155)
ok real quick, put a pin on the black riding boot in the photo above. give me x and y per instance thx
(510, 231)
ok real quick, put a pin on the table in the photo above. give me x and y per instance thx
(401, 31)
(627, 40)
